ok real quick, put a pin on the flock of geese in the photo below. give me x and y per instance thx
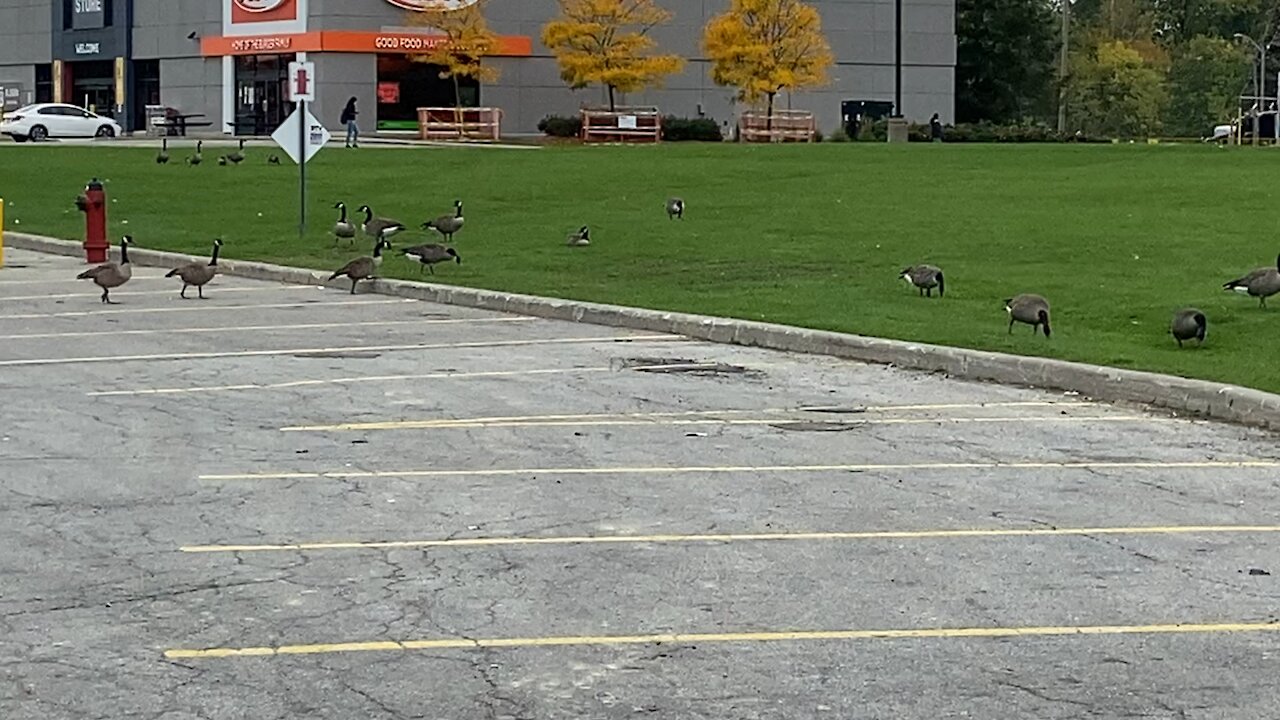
(1187, 324)
(1030, 309)
(235, 158)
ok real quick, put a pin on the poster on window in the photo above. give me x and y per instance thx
(388, 93)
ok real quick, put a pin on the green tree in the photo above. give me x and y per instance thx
(1113, 90)
(1205, 77)
(1005, 59)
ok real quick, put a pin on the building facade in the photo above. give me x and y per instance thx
(224, 61)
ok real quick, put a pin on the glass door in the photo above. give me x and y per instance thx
(260, 93)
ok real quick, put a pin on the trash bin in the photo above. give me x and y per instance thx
(155, 120)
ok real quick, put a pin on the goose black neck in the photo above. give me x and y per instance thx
(124, 253)
(459, 211)
(214, 260)
(377, 250)
(343, 210)
(368, 213)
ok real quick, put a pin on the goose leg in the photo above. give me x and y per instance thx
(183, 294)
(200, 291)
(353, 285)
(1010, 326)
(106, 297)
(432, 268)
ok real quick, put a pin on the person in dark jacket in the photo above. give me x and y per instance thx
(935, 128)
(349, 114)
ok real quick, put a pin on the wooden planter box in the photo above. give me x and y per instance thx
(786, 126)
(628, 125)
(442, 124)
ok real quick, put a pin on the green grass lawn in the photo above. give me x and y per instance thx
(1117, 237)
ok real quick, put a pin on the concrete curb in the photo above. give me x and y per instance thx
(1230, 403)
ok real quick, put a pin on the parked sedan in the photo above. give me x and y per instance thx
(56, 120)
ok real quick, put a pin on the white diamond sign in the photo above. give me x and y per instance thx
(287, 137)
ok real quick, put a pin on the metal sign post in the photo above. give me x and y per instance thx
(302, 80)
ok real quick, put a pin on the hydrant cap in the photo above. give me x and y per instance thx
(94, 185)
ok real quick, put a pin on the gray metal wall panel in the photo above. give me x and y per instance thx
(26, 32)
(160, 27)
(193, 85)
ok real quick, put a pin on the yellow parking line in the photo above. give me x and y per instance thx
(197, 306)
(726, 469)
(737, 537)
(312, 351)
(712, 414)
(463, 424)
(348, 380)
(742, 637)
(261, 328)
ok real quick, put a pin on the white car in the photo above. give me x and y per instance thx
(56, 120)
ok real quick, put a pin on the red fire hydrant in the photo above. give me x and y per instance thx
(93, 203)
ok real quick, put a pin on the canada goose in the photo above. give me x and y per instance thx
(1261, 283)
(362, 268)
(431, 254)
(110, 275)
(447, 225)
(273, 159)
(237, 157)
(581, 238)
(162, 157)
(1030, 309)
(675, 208)
(222, 159)
(925, 278)
(197, 158)
(379, 228)
(344, 229)
(197, 273)
(1189, 323)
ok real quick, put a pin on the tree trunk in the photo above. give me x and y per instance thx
(457, 106)
(768, 119)
(611, 105)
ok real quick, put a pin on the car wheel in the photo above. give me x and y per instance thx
(106, 131)
(38, 133)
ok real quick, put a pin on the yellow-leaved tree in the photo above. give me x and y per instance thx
(466, 40)
(607, 42)
(762, 47)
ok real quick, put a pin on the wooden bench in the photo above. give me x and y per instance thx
(627, 124)
(436, 123)
(784, 126)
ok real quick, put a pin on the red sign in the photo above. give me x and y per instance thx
(259, 11)
(388, 93)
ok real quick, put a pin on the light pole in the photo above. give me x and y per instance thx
(1260, 84)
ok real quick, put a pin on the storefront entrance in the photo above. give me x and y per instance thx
(93, 86)
(404, 86)
(261, 97)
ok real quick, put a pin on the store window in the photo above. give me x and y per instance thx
(404, 86)
(261, 97)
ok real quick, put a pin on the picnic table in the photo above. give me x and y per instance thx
(177, 123)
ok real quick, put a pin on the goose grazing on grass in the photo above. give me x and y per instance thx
(222, 160)
(581, 238)
(197, 158)
(1030, 309)
(197, 273)
(675, 208)
(273, 159)
(431, 254)
(111, 275)
(1261, 283)
(344, 229)
(1189, 323)
(237, 157)
(447, 225)
(362, 268)
(162, 157)
(925, 278)
(379, 228)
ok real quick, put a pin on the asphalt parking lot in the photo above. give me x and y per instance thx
(289, 502)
